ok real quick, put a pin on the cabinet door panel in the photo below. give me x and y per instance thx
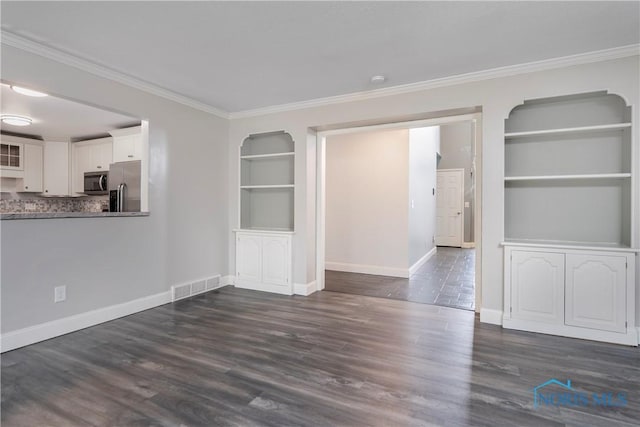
(56, 168)
(33, 158)
(249, 258)
(596, 292)
(275, 260)
(537, 286)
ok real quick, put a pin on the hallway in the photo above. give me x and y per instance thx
(447, 279)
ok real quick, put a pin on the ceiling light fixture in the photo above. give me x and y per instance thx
(378, 79)
(14, 120)
(28, 92)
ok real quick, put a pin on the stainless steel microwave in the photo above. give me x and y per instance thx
(96, 183)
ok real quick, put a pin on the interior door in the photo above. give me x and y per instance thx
(449, 212)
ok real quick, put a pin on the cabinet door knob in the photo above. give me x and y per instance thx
(26, 187)
(130, 155)
(46, 191)
(99, 167)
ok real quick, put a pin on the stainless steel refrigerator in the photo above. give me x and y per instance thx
(124, 186)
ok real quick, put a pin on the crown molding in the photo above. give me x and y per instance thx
(476, 76)
(22, 43)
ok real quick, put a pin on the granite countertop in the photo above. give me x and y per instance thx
(47, 215)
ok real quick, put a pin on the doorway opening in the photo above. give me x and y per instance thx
(377, 212)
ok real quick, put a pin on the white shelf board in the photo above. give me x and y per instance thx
(261, 187)
(267, 156)
(615, 126)
(560, 177)
(597, 246)
(264, 230)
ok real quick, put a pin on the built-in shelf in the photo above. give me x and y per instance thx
(564, 177)
(267, 156)
(265, 187)
(600, 246)
(581, 129)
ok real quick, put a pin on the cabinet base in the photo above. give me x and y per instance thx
(628, 338)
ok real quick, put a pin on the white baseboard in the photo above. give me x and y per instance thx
(422, 261)
(493, 317)
(638, 331)
(367, 269)
(55, 328)
(227, 280)
(305, 289)
(468, 245)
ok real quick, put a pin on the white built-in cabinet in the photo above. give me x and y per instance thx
(56, 168)
(266, 219)
(263, 261)
(32, 181)
(569, 218)
(127, 144)
(93, 155)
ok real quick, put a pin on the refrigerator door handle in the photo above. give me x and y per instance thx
(121, 190)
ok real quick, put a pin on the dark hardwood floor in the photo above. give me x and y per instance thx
(447, 279)
(244, 358)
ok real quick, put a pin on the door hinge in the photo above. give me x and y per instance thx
(510, 310)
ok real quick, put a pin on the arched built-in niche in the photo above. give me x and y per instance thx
(568, 170)
(267, 182)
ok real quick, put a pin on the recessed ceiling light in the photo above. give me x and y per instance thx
(28, 92)
(378, 79)
(14, 120)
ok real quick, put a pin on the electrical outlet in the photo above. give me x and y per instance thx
(59, 293)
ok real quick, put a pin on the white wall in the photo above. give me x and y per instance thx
(456, 149)
(107, 261)
(496, 97)
(423, 143)
(366, 202)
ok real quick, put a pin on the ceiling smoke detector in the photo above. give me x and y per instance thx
(14, 120)
(376, 80)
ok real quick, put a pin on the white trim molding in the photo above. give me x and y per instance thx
(305, 289)
(422, 261)
(510, 70)
(23, 43)
(228, 280)
(368, 269)
(493, 317)
(468, 245)
(44, 331)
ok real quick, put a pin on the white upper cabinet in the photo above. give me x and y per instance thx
(89, 156)
(56, 168)
(127, 144)
(32, 182)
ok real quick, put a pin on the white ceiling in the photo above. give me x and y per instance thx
(237, 56)
(57, 119)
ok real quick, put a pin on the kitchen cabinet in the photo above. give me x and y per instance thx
(33, 167)
(11, 156)
(127, 144)
(263, 261)
(56, 168)
(89, 156)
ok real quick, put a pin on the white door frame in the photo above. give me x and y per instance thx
(321, 140)
(461, 170)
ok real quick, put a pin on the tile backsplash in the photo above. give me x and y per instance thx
(14, 203)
